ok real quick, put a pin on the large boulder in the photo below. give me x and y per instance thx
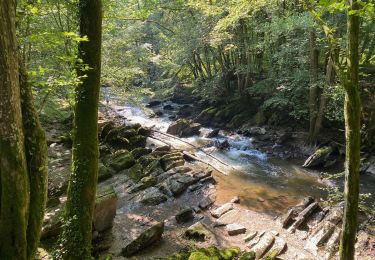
(148, 237)
(105, 209)
(206, 116)
(184, 128)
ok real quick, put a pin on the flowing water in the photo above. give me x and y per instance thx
(263, 184)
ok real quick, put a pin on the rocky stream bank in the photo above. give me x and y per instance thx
(156, 201)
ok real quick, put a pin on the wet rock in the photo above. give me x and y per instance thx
(217, 213)
(198, 232)
(208, 201)
(184, 215)
(183, 128)
(202, 175)
(121, 160)
(224, 145)
(235, 229)
(254, 131)
(168, 107)
(319, 157)
(144, 183)
(152, 196)
(127, 133)
(135, 172)
(213, 133)
(158, 113)
(153, 103)
(145, 239)
(208, 179)
(105, 210)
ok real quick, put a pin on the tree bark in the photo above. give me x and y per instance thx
(14, 189)
(353, 138)
(77, 232)
(313, 93)
(36, 159)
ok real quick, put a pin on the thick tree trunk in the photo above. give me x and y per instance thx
(77, 232)
(13, 172)
(36, 158)
(353, 138)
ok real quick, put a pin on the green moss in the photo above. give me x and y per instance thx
(135, 173)
(121, 160)
(199, 256)
(248, 256)
(140, 151)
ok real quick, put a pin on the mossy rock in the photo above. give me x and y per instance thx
(140, 151)
(260, 118)
(154, 168)
(145, 131)
(147, 160)
(121, 160)
(200, 256)
(149, 180)
(135, 172)
(248, 256)
(145, 239)
(198, 232)
(104, 172)
(137, 141)
(106, 128)
(127, 133)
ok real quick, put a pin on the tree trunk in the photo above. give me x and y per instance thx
(353, 138)
(313, 94)
(36, 158)
(77, 232)
(14, 189)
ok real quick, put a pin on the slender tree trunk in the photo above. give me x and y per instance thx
(353, 138)
(313, 94)
(77, 232)
(36, 158)
(14, 181)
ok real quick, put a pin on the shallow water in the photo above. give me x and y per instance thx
(263, 184)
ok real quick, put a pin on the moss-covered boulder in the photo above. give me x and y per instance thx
(198, 232)
(319, 157)
(121, 160)
(148, 237)
(136, 141)
(106, 128)
(104, 172)
(206, 116)
(145, 131)
(140, 151)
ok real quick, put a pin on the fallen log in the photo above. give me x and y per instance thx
(303, 216)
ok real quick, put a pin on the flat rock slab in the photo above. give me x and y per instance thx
(278, 247)
(217, 213)
(235, 229)
(250, 236)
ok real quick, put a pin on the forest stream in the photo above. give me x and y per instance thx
(264, 184)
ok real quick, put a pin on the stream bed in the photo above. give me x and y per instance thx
(264, 184)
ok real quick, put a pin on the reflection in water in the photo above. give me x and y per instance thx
(262, 184)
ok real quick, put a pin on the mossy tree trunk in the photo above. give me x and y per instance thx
(77, 232)
(13, 171)
(353, 137)
(36, 159)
